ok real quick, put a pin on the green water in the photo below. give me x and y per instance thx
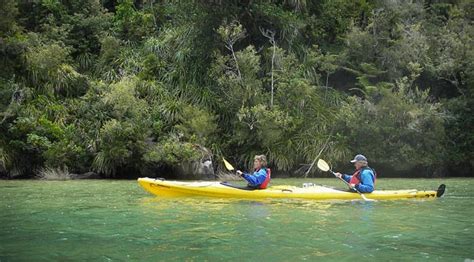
(118, 221)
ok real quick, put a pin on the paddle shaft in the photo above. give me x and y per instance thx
(349, 185)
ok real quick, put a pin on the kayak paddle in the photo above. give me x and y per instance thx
(228, 165)
(323, 165)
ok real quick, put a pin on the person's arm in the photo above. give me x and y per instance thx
(347, 178)
(251, 179)
(256, 178)
(366, 182)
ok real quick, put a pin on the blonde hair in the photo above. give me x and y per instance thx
(262, 159)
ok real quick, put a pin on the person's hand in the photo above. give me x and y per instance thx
(239, 173)
(352, 186)
(338, 175)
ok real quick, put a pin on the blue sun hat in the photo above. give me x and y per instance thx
(359, 158)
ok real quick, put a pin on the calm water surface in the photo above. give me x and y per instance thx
(104, 220)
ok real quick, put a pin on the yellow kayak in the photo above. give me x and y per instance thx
(162, 187)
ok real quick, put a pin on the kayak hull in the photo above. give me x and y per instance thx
(217, 190)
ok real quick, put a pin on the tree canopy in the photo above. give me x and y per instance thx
(123, 87)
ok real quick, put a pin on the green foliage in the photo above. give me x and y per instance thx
(67, 152)
(8, 14)
(171, 152)
(239, 85)
(123, 101)
(116, 86)
(45, 61)
(118, 142)
(133, 24)
(197, 125)
(407, 129)
(4, 159)
(460, 140)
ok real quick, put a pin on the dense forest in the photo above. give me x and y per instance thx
(130, 88)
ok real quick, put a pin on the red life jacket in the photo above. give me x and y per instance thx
(355, 179)
(267, 179)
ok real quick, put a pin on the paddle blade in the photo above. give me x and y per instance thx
(228, 165)
(323, 165)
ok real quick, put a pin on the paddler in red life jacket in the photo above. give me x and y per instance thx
(260, 178)
(363, 178)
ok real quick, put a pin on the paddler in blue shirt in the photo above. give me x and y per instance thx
(363, 178)
(260, 177)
